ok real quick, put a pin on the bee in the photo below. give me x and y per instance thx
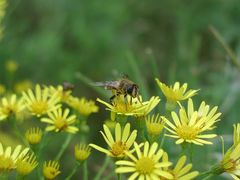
(123, 86)
(67, 86)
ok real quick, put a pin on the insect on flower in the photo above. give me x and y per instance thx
(123, 86)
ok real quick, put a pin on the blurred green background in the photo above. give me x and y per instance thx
(61, 40)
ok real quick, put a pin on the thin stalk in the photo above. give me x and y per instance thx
(210, 176)
(119, 176)
(64, 146)
(74, 170)
(191, 153)
(100, 172)
(163, 138)
(20, 177)
(225, 46)
(85, 171)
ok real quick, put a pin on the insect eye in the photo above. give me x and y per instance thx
(130, 89)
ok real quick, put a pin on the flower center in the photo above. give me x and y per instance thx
(6, 163)
(145, 165)
(39, 107)
(60, 123)
(187, 132)
(118, 148)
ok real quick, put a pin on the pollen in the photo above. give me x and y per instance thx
(187, 132)
(118, 148)
(61, 123)
(39, 107)
(6, 163)
(145, 165)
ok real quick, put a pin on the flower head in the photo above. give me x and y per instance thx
(181, 170)
(3, 5)
(23, 86)
(123, 106)
(83, 106)
(210, 115)
(2, 89)
(154, 125)
(11, 66)
(60, 120)
(231, 159)
(176, 92)
(34, 135)
(82, 152)
(8, 158)
(10, 106)
(40, 103)
(51, 169)
(146, 165)
(120, 144)
(189, 130)
(26, 164)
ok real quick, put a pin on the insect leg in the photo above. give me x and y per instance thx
(125, 100)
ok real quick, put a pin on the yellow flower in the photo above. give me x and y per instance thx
(231, 159)
(236, 134)
(110, 124)
(40, 103)
(51, 169)
(83, 106)
(181, 170)
(210, 116)
(11, 66)
(10, 106)
(176, 92)
(26, 164)
(63, 94)
(2, 89)
(60, 120)
(146, 165)
(122, 142)
(154, 125)
(82, 152)
(123, 106)
(34, 135)
(23, 86)
(8, 159)
(3, 5)
(189, 130)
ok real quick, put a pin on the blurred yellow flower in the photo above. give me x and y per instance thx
(34, 135)
(51, 169)
(11, 66)
(189, 130)
(8, 158)
(10, 106)
(154, 125)
(210, 116)
(60, 120)
(181, 170)
(146, 165)
(40, 103)
(122, 142)
(110, 124)
(2, 89)
(63, 94)
(23, 86)
(83, 106)
(123, 106)
(82, 152)
(26, 164)
(176, 92)
(3, 5)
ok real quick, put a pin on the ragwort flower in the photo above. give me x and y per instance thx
(40, 103)
(51, 169)
(26, 164)
(82, 152)
(8, 158)
(60, 120)
(122, 142)
(154, 125)
(10, 106)
(176, 92)
(83, 106)
(146, 165)
(23, 86)
(181, 170)
(123, 106)
(189, 130)
(63, 94)
(34, 135)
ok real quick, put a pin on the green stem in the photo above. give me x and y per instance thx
(141, 127)
(77, 165)
(191, 153)
(85, 171)
(163, 138)
(4, 176)
(210, 176)
(64, 146)
(100, 172)
(119, 176)
(20, 177)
